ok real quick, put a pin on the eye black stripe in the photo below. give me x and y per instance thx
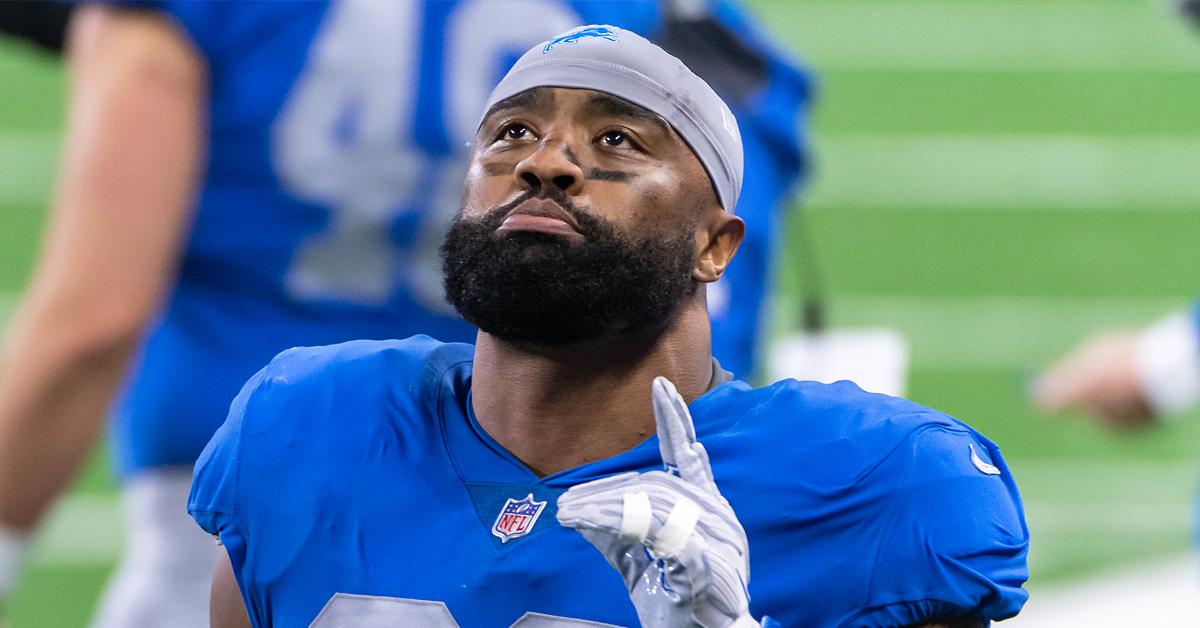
(597, 174)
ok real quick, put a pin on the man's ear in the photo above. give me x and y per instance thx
(718, 244)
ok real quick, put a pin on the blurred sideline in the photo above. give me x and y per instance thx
(1158, 594)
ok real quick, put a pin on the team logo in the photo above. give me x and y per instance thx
(517, 518)
(583, 32)
(986, 468)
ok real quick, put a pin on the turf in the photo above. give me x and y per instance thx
(1067, 209)
(945, 101)
(55, 597)
(1007, 253)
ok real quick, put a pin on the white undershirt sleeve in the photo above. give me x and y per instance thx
(13, 547)
(1167, 361)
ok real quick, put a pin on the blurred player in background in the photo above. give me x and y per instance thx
(240, 178)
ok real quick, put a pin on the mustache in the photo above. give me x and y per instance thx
(496, 215)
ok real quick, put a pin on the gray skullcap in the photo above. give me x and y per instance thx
(622, 63)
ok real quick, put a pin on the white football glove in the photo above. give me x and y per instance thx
(670, 534)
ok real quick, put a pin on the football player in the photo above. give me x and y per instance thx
(587, 461)
(241, 178)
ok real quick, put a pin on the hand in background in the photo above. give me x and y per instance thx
(1100, 379)
(1128, 378)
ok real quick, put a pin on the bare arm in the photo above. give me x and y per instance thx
(122, 207)
(1131, 378)
(227, 609)
(1098, 378)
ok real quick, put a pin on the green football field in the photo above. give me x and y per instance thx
(995, 179)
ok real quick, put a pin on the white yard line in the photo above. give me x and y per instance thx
(1134, 472)
(8, 302)
(82, 530)
(1125, 518)
(988, 332)
(1007, 171)
(28, 161)
(1159, 594)
(1047, 35)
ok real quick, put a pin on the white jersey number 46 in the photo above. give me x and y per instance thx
(344, 139)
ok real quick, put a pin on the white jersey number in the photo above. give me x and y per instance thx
(374, 611)
(343, 140)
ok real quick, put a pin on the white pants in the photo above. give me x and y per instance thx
(166, 572)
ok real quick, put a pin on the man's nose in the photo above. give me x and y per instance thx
(551, 164)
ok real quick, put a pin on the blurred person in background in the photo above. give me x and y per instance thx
(241, 178)
(1129, 378)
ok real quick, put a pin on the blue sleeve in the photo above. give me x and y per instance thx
(216, 497)
(217, 487)
(957, 540)
(253, 483)
(214, 493)
(269, 411)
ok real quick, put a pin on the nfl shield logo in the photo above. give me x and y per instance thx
(517, 518)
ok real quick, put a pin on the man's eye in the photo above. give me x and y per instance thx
(613, 138)
(516, 132)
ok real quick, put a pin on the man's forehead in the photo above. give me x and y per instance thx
(594, 103)
(622, 63)
(537, 98)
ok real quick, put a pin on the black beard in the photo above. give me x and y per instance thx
(537, 288)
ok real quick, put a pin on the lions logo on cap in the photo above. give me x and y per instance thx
(583, 32)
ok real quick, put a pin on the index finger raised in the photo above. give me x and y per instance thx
(681, 453)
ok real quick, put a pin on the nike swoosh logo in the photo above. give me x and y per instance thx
(984, 467)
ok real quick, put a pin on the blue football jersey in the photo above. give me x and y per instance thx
(355, 479)
(337, 148)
